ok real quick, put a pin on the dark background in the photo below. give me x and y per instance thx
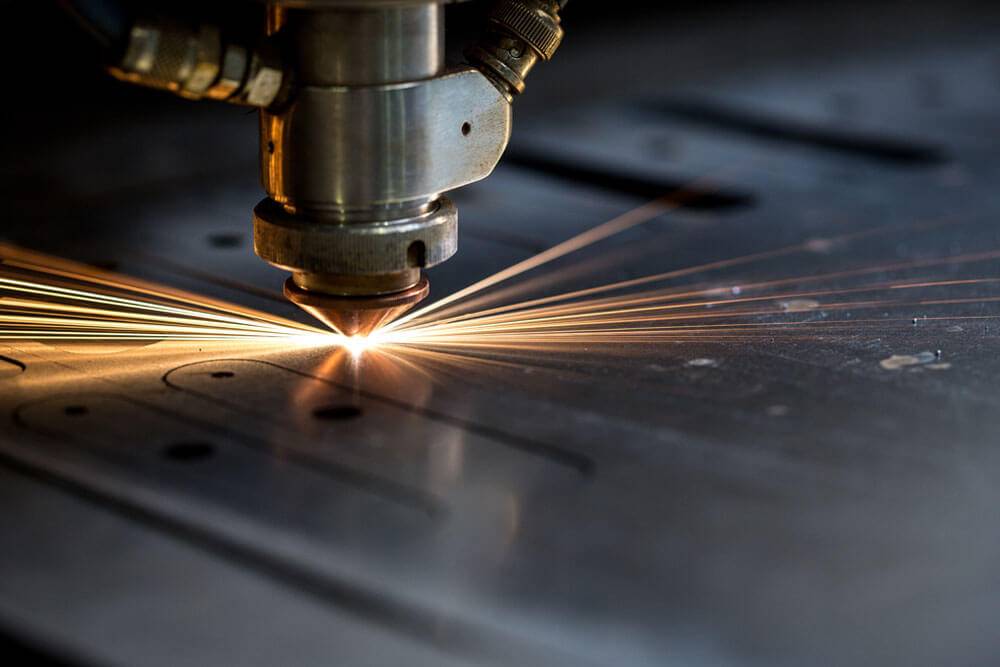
(57, 92)
(54, 72)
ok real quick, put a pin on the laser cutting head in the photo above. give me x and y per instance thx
(362, 129)
(375, 129)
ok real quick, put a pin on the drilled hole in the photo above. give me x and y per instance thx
(416, 254)
(223, 374)
(189, 451)
(225, 240)
(75, 410)
(337, 412)
(466, 129)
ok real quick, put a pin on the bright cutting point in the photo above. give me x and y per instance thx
(356, 315)
(357, 345)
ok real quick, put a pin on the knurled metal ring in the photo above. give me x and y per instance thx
(302, 244)
(539, 29)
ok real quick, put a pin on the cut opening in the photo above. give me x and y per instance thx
(340, 412)
(223, 374)
(189, 451)
(75, 410)
(779, 128)
(416, 254)
(466, 128)
(607, 177)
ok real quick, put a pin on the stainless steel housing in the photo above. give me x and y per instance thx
(308, 245)
(378, 148)
(372, 133)
(362, 125)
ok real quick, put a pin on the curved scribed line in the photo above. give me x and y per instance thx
(14, 362)
(579, 462)
(386, 489)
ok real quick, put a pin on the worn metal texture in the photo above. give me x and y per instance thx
(710, 503)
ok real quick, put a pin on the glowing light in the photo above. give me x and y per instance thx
(324, 339)
(46, 298)
(615, 314)
(357, 345)
(640, 215)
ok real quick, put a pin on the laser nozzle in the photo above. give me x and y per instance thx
(356, 315)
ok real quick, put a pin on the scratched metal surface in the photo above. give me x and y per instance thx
(712, 503)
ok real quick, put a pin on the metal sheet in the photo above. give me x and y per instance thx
(714, 502)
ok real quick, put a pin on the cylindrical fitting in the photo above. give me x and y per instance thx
(521, 33)
(328, 155)
(306, 245)
(363, 47)
(195, 62)
(372, 133)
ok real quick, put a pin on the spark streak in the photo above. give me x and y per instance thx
(653, 310)
(637, 216)
(45, 298)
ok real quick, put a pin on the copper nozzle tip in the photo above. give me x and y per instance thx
(356, 315)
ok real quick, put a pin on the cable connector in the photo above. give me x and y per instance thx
(520, 33)
(196, 63)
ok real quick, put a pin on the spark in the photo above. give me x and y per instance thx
(613, 321)
(46, 298)
(653, 309)
(633, 218)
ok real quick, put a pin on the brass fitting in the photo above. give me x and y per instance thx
(194, 62)
(521, 32)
